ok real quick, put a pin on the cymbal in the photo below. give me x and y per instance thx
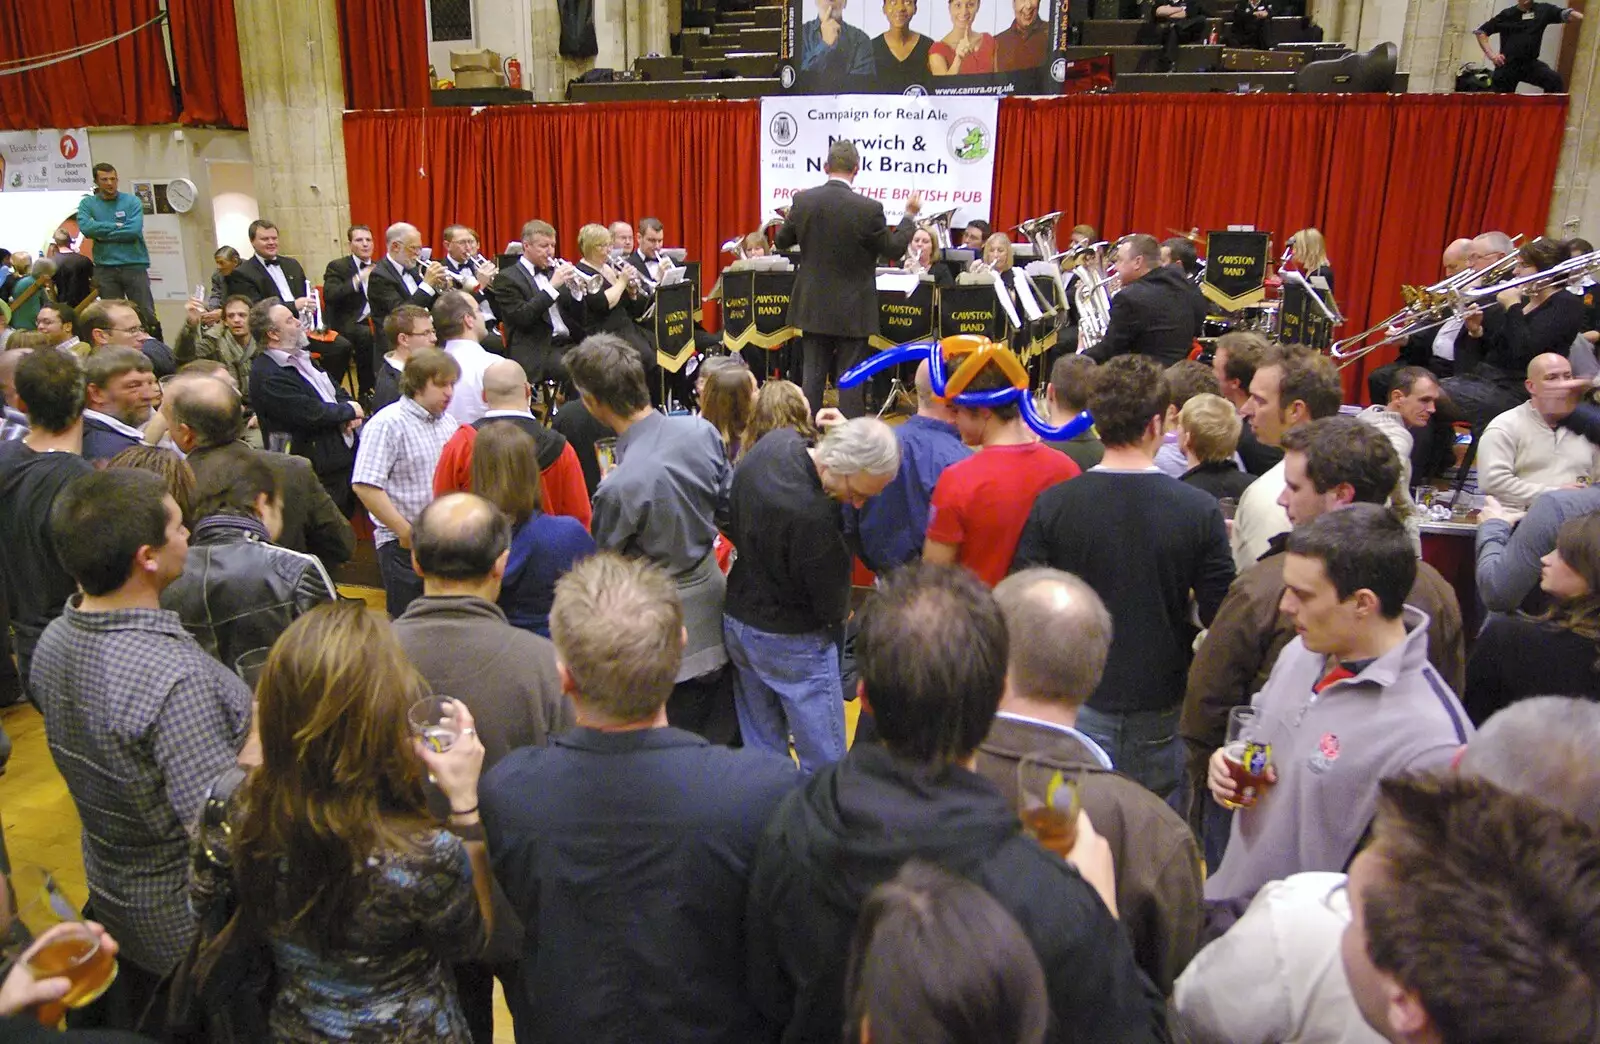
(1192, 235)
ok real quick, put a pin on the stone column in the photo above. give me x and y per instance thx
(294, 96)
(1438, 38)
(1575, 204)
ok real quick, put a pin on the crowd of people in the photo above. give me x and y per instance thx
(1162, 731)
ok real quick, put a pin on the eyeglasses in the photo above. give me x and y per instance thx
(127, 329)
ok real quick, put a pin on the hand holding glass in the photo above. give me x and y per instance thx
(64, 945)
(1048, 803)
(1247, 756)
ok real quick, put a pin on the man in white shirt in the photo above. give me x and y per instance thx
(1292, 386)
(1526, 451)
(1435, 349)
(459, 325)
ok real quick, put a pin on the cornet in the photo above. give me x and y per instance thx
(583, 282)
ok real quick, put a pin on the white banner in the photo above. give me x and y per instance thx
(46, 160)
(942, 146)
(163, 237)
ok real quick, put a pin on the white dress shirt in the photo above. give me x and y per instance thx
(275, 273)
(467, 404)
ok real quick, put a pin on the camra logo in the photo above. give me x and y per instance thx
(1058, 70)
(969, 140)
(783, 129)
(786, 76)
(916, 90)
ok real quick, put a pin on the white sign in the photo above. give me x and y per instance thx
(942, 146)
(44, 160)
(163, 238)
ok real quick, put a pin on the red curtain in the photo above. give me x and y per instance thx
(127, 82)
(384, 44)
(1389, 179)
(205, 49)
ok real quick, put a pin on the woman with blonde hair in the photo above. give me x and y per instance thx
(779, 404)
(505, 472)
(363, 898)
(1310, 256)
(615, 306)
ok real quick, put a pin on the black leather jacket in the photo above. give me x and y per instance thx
(238, 592)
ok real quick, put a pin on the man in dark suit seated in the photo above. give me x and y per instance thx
(1434, 349)
(345, 309)
(841, 235)
(468, 269)
(524, 296)
(298, 403)
(400, 279)
(271, 274)
(1156, 313)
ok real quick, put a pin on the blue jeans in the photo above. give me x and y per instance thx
(401, 584)
(1142, 744)
(787, 685)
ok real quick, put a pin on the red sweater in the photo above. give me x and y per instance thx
(564, 491)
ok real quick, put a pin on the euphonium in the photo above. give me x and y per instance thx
(1041, 232)
(1092, 291)
(938, 226)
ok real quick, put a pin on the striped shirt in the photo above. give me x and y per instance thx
(14, 424)
(400, 448)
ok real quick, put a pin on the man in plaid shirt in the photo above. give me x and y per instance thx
(400, 448)
(139, 719)
(14, 424)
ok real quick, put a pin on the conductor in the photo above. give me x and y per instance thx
(835, 300)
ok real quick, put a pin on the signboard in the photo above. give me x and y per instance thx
(942, 147)
(674, 325)
(904, 318)
(971, 309)
(1236, 269)
(163, 237)
(46, 161)
(903, 47)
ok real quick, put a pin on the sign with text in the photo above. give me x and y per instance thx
(46, 160)
(904, 318)
(971, 309)
(1236, 268)
(755, 309)
(942, 147)
(674, 326)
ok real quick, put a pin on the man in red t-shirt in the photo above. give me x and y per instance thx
(980, 504)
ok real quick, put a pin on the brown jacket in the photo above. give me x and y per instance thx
(1249, 632)
(1156, 858)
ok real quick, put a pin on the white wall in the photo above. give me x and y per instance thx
(29, 219)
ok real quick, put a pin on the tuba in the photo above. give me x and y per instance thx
(1041, 233)
(938, 226)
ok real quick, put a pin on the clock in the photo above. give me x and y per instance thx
(180, 195)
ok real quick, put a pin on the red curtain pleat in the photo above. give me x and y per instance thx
(127, 82)
(1389, 179)
(205, 49)
(384, 44)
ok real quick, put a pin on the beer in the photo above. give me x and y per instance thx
(74, 953)
(1247, 765)
(1055, 829)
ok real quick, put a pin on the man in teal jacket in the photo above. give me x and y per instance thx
(115, 221)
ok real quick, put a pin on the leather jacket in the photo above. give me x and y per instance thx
(239, 592)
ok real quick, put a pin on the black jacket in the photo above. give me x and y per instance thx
(73, 274)
(592, 314)
(386, 291)
(1220, 478)
(238, 592)
(102, 442)
(342, 295)
(854, 824)
(524, 311)
(312, 522)
(251, 280)
(37, 586)
(1511, 338)
(1516, 657)
(286, 404)
(841, 235)
(1160, 314)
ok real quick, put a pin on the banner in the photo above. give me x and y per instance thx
(971, 309)
(903, 318)
(911, 48)
(1236, 269)
(942, 147)
(674, 325)
(46, 160)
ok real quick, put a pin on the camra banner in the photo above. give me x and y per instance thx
(922, 46)
(942, 147)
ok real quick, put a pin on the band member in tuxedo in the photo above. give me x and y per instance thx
(345, 308)
(1180, 253)
(646, 257)
(268, 273)
(469, 270)
(920, 258)
(524, 297)
(1157, 312)
(841, 235)
(616, 306)
(399, 278)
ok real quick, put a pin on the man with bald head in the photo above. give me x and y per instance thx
(1527, 451)
(400, 278)
(1434, 349)
(621, 237)
(507, 396)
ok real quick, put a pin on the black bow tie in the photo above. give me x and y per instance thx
(270, 262)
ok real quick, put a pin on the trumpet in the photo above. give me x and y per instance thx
(583, 282)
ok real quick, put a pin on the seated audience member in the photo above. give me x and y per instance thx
(1071, 379)
(1147, 544)
(1472, 918)
(140, 722)
(172, 469)
(626, 845)
(1381, 708)
(932, 653)
(1518, 656)
(1328, 464)
(1511, 546)
(789, 589)
(509, 397)
(727, 398)
(1186, 378)
(228, 342)
(981, 504)
(1293, 385)
(120, 394)
(1277, 974)
(987, 986)
(409, 328)
(1058, 633)
(56, 321)
(505, 472)
(1413, 399)
(339, 797)
(1234, 361)
(887, 531)
(1527, 451)
(207, 416)
(779, 404)
(1208, 436)
(238, 591)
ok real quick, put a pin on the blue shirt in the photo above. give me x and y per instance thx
(889, 530)
(117, 228)
(542, 550)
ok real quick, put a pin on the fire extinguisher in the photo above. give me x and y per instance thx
(513, 74)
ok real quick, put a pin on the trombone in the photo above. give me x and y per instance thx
(1552, 278)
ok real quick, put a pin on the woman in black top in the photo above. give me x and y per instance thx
(900, 54)
(919, 258)
(1546, 321)
(1557, 653)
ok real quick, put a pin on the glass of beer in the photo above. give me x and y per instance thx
(63, 945)
(435, 721)
(1048, 801)
(1247, 755)
(605, 451)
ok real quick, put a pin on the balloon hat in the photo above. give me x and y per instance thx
(969, 354)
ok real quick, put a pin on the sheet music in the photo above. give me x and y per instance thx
(899, 282)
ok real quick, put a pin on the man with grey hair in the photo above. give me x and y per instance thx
(1059, 634)
(400, 278)
(789, 591)
(680, 819)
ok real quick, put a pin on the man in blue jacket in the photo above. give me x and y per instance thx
(115, 221)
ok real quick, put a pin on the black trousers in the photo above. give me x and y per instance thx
(475, 988)
(366, 355)
(704, 705)
(825, 353)
(1506, 77)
